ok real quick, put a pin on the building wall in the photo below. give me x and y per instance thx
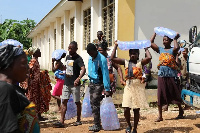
(126, 20)
(178, 15)
(77, 12)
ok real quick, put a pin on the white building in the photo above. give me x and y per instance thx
(73, 20)
(125, 20)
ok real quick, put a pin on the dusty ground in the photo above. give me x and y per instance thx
(191, 123)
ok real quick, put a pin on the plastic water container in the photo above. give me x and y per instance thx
(108, 113)
(86, 106)
(71, 109)
(139, 44)
(161, 31)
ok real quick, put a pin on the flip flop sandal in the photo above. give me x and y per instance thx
(58, 125)
(128, 129)
(94, 128)
(179, 117)
(77, 123)
(159, 120)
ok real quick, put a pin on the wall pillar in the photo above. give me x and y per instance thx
(77, 26)
(58, 33)
(66, 29)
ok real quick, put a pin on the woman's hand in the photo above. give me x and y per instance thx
(53, 59)
(122, 82)
(177, 36)
(116, 44)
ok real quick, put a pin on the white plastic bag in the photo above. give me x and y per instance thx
(108, 113)
(71, 109)
(86, 106)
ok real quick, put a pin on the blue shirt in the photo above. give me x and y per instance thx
(93, 66)
(58, 75)
(166, 71)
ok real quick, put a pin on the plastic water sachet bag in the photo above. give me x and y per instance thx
(57, 54)
(86, 106)
(108, 113)
(161, 31)
(71, 109)
(139, 44)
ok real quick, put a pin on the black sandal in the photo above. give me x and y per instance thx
(134, 131)
(179, 117)
(128, 129)
(58, 125)
(95, 128)
(77, 123)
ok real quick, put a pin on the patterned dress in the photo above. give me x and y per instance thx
(38, 87)
(168, 87)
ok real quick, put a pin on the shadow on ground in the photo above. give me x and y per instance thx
(191, 117)
(170, 130)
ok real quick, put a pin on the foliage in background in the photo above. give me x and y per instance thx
(17, 30)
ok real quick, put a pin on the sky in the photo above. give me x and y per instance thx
(23, 9)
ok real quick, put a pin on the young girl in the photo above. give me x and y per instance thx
(168, 88)
(59, 72)
(134, 91)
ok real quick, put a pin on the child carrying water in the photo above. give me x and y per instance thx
(134, 91)
(168, 87)
(59, 72)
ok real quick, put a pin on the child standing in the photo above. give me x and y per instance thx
(168, 87)
(134, 91)
(59, 72)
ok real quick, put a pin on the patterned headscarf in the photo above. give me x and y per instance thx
(8, 53)
(32, 50)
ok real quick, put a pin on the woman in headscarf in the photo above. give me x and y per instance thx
(24, 84)
(14, 106)
(38, 84)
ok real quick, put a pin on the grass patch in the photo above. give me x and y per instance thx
(46, 112)
(53, 118)
(119, 88)
(51, 73)
(119, 111)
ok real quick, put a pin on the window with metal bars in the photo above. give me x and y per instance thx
(72, 29)
(54, 39)
(62, 36)
(86, 27)
(108, 18)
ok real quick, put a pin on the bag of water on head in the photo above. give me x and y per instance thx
(86, 106)
(108, 113)
(71, 109)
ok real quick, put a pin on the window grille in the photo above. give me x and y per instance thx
(62, 36)
(72, 29)
(108, 24)
(86, 27)
(54, 39)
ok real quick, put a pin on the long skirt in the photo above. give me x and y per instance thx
(169, 91)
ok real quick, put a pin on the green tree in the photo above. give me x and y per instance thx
(17, 30)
